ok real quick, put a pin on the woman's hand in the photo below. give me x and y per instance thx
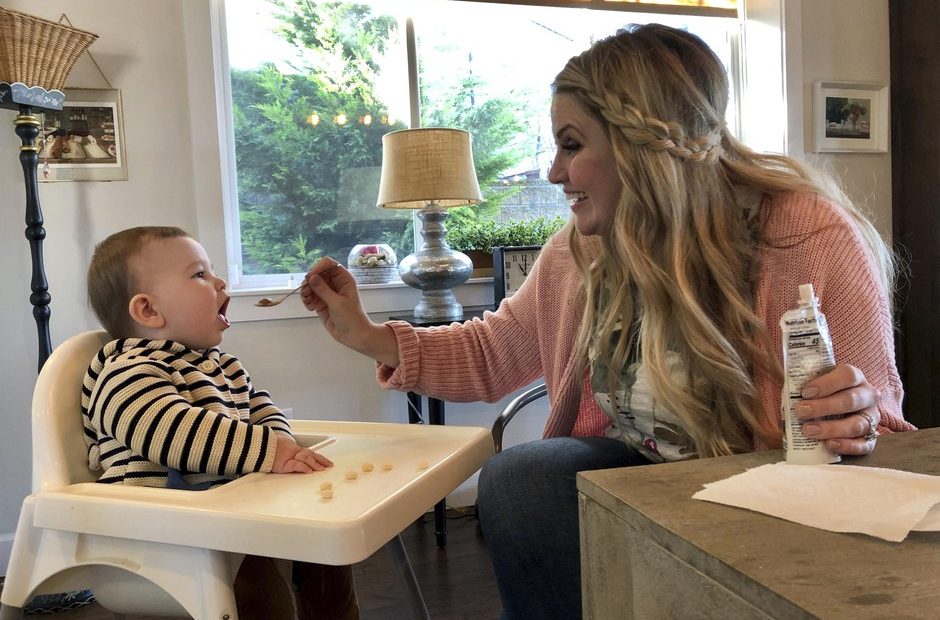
(330, 290)
(842, 390)
(329, 287)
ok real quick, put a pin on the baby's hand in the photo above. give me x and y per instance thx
(290, 458)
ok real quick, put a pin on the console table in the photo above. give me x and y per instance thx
(435, 410)
(648, 550)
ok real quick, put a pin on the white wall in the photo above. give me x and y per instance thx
(157, 53)
(847, 40)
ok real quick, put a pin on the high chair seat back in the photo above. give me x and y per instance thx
(60, 456)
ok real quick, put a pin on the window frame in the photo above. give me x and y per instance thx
(394, 297)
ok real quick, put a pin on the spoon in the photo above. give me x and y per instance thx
(267, 302)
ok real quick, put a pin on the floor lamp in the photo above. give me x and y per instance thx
(36, 57)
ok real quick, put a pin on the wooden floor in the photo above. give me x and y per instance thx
(457, 582)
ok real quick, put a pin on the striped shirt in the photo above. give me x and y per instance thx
(152, 405)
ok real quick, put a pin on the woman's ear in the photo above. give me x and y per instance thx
(144, 313)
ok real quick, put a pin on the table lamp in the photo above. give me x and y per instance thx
(430, 170)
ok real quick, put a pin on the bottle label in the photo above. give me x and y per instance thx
(807, 353)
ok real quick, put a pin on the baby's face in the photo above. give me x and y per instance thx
(177, 274)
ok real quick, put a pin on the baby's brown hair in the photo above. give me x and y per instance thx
(110, 285)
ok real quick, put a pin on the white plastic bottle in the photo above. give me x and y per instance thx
(807, 353)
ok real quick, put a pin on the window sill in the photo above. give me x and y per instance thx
(377, 299)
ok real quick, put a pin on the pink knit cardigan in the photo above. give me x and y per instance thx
(532, 334)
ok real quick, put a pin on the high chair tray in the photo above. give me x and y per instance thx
(284, 515)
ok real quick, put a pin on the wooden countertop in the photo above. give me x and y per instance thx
(794, 570)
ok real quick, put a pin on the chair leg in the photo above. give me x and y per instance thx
(217, 576)
(406, 577)
(19, 581)
(11, 613)
(198, 580)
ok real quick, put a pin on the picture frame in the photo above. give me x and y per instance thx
(850, 117)
(85, 140)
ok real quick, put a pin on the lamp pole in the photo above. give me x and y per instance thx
(28, 129)
(26, 100)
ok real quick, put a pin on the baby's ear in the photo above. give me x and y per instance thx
(144, 313)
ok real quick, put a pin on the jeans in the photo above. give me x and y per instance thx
(528, 508)
(175, 480)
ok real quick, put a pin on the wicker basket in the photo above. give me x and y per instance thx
(38, 52)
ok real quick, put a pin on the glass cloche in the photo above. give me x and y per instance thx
(373, 263)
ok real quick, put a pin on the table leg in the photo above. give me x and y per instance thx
(436, 416)
(435, 411)
(414, 408)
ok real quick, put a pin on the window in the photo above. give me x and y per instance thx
(314, 85)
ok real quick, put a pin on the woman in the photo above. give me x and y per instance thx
(659, 306)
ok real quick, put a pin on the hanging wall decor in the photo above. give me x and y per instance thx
(850, 117)
(84, 141)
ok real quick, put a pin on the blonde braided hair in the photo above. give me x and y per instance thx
(657, 135)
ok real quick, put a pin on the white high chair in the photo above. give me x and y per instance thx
(166, 552)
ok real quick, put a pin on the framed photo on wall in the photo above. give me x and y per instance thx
(85, 140)
(850, 117)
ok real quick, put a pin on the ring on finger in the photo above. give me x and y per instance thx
(872, 433)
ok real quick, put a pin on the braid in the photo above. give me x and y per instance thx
(655, 134)
(642, 130)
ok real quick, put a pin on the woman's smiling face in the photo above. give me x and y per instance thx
(584, 165)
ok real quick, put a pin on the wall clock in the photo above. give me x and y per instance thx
(511, 266)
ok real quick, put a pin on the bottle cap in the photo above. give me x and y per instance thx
(807, 298)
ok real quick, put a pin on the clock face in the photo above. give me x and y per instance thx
(511, 267)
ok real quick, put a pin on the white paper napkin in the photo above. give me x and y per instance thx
(886, 503)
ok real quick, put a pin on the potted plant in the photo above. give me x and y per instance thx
(477, 238)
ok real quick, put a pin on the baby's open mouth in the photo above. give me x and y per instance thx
(222, 312)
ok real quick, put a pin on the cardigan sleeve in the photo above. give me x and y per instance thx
(478, 360)
(810, 240)
(859, 318)
(137, 403)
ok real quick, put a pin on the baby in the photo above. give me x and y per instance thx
(163, 407)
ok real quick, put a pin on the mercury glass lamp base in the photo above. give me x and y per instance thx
(435, 269)
(439, 306)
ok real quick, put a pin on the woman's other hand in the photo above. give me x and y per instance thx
(841, 392)
(330, 290)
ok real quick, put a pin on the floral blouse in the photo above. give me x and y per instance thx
(638, 419)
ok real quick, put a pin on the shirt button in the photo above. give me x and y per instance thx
(206, 366)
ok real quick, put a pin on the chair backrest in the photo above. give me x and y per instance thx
(60, 457)
(515, 406)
